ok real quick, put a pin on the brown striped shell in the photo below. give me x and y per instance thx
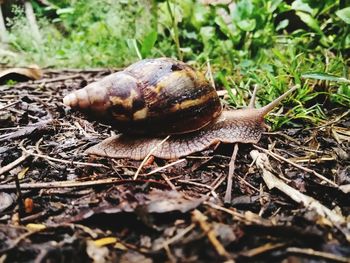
(152, 97)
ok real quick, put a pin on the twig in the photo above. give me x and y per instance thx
(37, 144)
(176, 237)
(147, 156)
(166, 179)
(196, 184)
(201, 219)
(12, 165)
(68, 162)
(261, 249)
(76, 76)
(86, 135)
(247, 218)
(34, 83)
(20, 201)
(319, 254)
(57, 79)
(165, 166)
(59, 160)
(214, 194)
(219, 182)
(73, 183)
(228, 194)
(247, 183)
(279, 157)
(9, 105)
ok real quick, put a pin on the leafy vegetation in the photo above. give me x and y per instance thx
(274, 44)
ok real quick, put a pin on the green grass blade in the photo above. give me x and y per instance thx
(324, 76)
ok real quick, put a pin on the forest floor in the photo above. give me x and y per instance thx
(290, 193)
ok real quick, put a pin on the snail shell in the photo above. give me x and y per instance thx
(153, 96)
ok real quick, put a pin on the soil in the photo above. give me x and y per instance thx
(57, 204)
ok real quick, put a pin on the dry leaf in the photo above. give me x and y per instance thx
(32, 72)
(22, 173)
(35, 227)
(120, 246)
(105, 241)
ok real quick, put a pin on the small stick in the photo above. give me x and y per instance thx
(196, 184)
(73, 183)
(261, 249)
(246, 218)
(34, 83)
(20, 201)
(319, 254)
(219, 182)
(67, 161)
(59, 160)
(76, 76)
(279, 157)
(12, 165)
(9, 105)
(228, 194)
(37, 144)
(147, 156)
(166, 179)
(214, 194)
(209, 231)
(175, 238)
(165, 166)
(247, 183)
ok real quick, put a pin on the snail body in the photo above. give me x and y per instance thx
(157, 97)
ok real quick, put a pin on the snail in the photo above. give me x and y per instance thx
(153, 98)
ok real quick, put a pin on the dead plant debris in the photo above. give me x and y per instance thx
(287, 198)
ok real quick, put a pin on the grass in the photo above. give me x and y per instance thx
(268, 43)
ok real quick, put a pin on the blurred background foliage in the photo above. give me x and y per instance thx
(274, 43)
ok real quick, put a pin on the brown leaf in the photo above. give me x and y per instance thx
(170, 201)
(32, 72)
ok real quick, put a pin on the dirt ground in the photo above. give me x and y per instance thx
(290, 193)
